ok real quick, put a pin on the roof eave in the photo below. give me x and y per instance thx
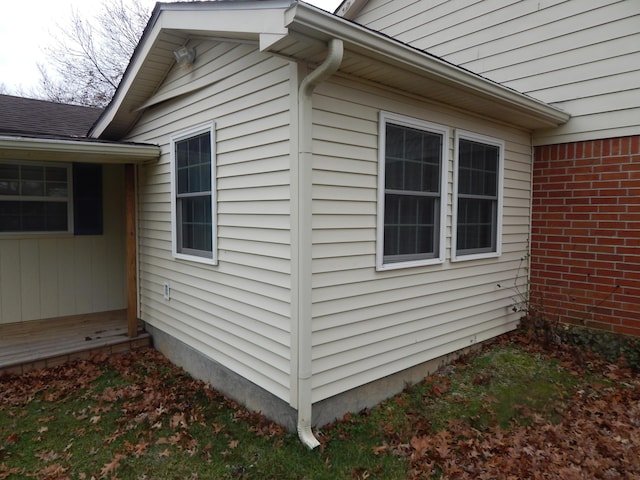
(303, 18)
(285, 20)
(40, 149)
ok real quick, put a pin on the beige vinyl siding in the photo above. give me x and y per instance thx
(237, 312)
(46, 276)
(580, 55)
(368, 324)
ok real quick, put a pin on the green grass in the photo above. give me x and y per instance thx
(138, 417)
(504, 383)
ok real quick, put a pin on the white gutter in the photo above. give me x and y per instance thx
(304, 18)
(305, 159)
(26, 148)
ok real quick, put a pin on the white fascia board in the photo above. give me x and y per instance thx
(314, 22)
(22, 148)
(244, 22)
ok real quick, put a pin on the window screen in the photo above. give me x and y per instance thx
(193, 177)
(477, 213)
(412, 193)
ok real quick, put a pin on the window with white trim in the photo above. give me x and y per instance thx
(477, 208)
(193, 186)
(411, 192)
(35, 197)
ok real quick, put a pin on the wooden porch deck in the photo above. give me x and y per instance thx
(46, 343)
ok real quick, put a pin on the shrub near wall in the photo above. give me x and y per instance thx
(585, 239)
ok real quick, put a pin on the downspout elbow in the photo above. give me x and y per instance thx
(327, 68)
(306, 436)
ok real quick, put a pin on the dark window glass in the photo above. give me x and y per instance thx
(477, 213)
(413, 166)
(34, 198)
(196, 223)
(193, 195)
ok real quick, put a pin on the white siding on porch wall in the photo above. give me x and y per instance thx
(237, 312)
(580, 55)
(49, 275)
(369, 324)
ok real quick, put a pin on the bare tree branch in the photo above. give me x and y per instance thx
(87, 58)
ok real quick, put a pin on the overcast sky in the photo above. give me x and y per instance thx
(26, 26)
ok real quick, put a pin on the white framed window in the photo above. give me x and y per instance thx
(193, 188)
(35, 197)
(477, 197)
(411, 192)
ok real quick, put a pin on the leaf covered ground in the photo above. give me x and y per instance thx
(510, 411)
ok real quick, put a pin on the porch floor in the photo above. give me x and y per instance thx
(36, 344)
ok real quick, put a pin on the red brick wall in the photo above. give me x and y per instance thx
(585, 239)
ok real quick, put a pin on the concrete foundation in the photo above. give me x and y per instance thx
(224, 380)
(257, 399)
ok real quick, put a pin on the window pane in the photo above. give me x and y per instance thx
(18, 216)
(394, 174)
(410, 225)
(196, 223)
(9, 179)
(412, 176)
(476, 222)
(477, 168)
(193, 164)
(34, 212)
(10, 216)
(430, 177)
(394, 141)
(407, 240)
(413, 144)
(32, 181)
(56, 174)
(56, 189)
(408, 209)
(205, 177)
(56, 216)
(8, 187)
(432, 147)
(182, 156)
(183, 180)
(412, 159)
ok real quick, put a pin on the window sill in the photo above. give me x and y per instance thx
(474, 256)
(409, 264)
(195, 259)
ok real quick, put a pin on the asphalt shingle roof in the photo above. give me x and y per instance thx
(39, 118)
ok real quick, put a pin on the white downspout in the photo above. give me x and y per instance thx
(305, 158)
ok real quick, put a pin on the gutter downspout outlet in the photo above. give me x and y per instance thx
(327, 68)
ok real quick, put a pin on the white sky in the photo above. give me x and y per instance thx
(26, 26)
